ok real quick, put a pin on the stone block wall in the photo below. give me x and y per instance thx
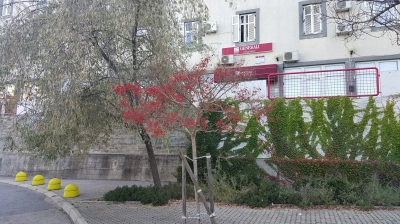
(121, 141)
(124, 158)
(92, 166)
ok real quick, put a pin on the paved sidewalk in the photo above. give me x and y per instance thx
(91, 211)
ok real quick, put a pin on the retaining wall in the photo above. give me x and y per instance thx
(124, 158)
(92, 166)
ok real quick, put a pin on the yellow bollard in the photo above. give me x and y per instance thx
(54, 184)
(21, 176)
(37, 180)
(71, 191)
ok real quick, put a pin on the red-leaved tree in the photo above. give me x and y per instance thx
(181, 102)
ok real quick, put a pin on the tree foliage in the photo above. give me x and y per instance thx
(335, 129)
(366, 15)
(66, 58)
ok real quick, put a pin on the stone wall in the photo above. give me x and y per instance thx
(121, 141)
(124, 158)
(92, 166)
(5, 125)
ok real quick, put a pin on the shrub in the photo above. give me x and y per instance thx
(147, 195)
(315, 195)
(260, 196)
(353, 171)
(223, 190)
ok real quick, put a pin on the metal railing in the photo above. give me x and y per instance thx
(353, 82)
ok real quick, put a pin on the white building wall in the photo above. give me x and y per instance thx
(279, 24)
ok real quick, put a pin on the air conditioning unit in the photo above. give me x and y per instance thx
(342, 6)
(343, 28)
(291, 56)
(227, 60)
(210, 27)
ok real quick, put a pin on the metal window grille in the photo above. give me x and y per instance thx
(353, 82)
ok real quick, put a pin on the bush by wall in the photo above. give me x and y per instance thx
(354, 171)
(147, 195)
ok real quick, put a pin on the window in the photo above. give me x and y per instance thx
(388, 66)
(244, 26)
(387, 15)
(42, 4)
(192, 34)
(312, 22)
(6, 7)
(365, 65)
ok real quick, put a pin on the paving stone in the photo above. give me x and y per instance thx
(99, 213)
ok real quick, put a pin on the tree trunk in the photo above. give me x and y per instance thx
(152, 159)
(195, 171)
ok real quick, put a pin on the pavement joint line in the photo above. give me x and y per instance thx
(69, 209)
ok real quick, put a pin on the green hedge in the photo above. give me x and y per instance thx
(354, 171)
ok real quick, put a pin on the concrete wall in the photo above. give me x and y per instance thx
(92, 166)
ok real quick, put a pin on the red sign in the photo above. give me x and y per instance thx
(248, 49)
(255, 72)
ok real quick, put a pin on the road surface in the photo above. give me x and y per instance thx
(19, 205)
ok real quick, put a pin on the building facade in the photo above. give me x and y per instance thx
(282, 36)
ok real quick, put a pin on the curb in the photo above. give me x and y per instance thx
(72, 212)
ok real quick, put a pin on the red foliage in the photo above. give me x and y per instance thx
(182, 100)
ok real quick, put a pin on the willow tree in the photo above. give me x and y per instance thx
(66, 58)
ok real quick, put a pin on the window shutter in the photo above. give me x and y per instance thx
(195, 27)
(317, 23)
(1, 7)
(187, 32)
(307, 19)
(183, 26)
(7, 7)
(235, 29)
(195, 32)
(252, 27)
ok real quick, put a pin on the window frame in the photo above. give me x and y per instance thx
(369, 8)
(9, 5)
(236, 27)
(42, 4)
(193, 43)
(324, 26)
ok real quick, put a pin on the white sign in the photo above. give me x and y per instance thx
(260, 59)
